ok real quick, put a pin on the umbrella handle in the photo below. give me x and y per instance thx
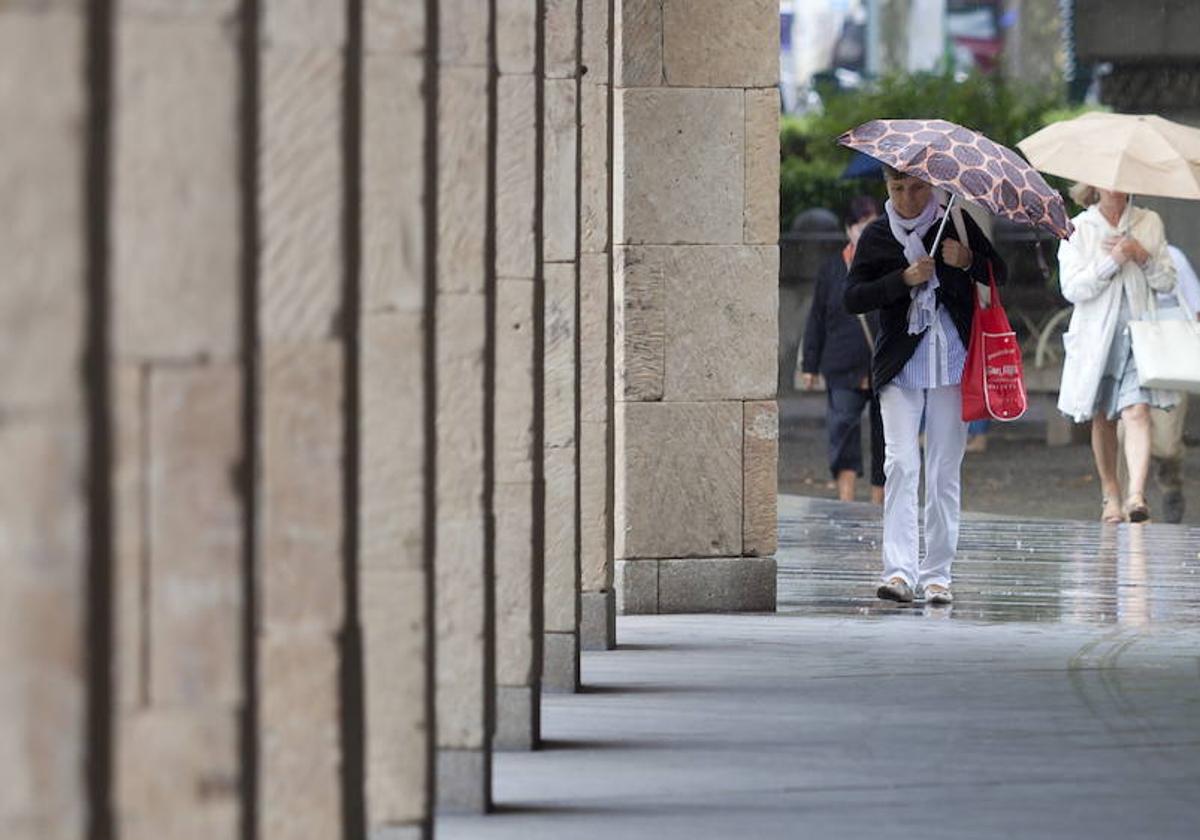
(937, 240)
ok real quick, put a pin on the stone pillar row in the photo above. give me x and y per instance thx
(322, 412)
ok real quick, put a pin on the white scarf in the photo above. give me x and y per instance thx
(910, 234)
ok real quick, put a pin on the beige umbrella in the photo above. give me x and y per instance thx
(1140, 154)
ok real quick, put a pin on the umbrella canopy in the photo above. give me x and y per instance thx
(1132, 153)
(967, 164)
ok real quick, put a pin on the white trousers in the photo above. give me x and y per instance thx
(945, 442)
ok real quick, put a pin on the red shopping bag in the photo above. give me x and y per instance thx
(993, 382)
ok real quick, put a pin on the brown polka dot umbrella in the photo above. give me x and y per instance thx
(967, 164)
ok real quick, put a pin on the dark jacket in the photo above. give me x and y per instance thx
(876, 282)
(834, 343)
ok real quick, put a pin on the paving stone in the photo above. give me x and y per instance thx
(462, 178)
(760, 454)
(516, 177)
(176, 229)
(41, 174)
(393, 264)
(678, 480)
(638, 43)
(561, 133)
(715, 43)
(562, 34)
(725, 584)
(299, 735)
(680, 166)
(302, 507)
(762, 166)
(196, 535)
(639, 326)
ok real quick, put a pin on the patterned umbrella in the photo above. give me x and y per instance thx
(967, 164)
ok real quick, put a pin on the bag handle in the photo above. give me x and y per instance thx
(987, 296)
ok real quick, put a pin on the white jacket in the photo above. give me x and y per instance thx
(1088, 281)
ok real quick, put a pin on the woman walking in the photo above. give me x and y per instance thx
(1110, 269)
(838, 346)
(925, 306)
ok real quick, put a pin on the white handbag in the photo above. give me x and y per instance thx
(1167, 351)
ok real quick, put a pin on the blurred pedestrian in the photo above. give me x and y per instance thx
(925, 310)
(1109, 269)
(837, 345)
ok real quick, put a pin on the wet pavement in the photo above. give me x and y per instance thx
(1058, 698)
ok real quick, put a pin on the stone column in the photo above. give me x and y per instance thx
(560, 249)
(598, 603)
(181, 444)
(301, 402)
(394, 428)
(43, 422)
(696, 266)
(465, 672)
(518, 566)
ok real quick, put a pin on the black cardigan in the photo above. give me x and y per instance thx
(876, 282)
(834, 343)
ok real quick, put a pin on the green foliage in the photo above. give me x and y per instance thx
(812, 161)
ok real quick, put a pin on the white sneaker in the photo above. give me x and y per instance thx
(938, 595)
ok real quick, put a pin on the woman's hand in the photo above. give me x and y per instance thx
(956, 254)
(1122, 249)
(919, 272)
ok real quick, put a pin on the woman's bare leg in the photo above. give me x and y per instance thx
(1137, 448)
(1104, 450)
(845, 485)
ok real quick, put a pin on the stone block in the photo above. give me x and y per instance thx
(593, 337)
(715, 43)
(562, 38)
(464, 686)
(722, 327)
(299, 735)
(595, 39)
(760, 454)
(518, 718)
(595, 549)
(391, 27)
(636, 587)
(300, 196)
(638, 44)
(559, 383)
(560, 663)
(678, 480)
(559, 189)
(762, 166)
(177, 771)
(304, 24)
(392, 440)
(639, 326)
(393, 184)
(561, 557)
(461, 323)
(464, 781)
(42, 247)
(211, 10)
(302, 513)
(415, 831)
(176, 202)
(598, 620)
(517, 586)
(514, 383)
(679, 166)
(462, 34)
(397, 653)
(129, 487)
(516, 177)
(728, 584)
(516, 36)
(593, 149)
(196, 534)
(462, 177)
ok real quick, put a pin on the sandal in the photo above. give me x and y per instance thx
(1139, 511)
(1110, 513)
